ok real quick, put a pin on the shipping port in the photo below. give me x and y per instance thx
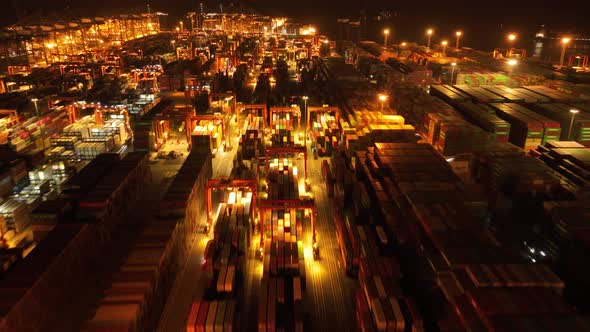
(242, 172)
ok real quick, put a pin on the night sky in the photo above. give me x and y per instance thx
(484, 23)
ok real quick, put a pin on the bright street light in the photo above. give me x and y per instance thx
(429, 33)
(458, 34)
(564, 42)
(569, 133)
(444, 44)
(511, 64)
(35, 100)
(382, 99)
(453, 65)
(385, 35)
(512, 37)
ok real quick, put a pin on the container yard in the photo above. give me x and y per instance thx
(175, 190)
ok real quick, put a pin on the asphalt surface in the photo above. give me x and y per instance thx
(329, 297)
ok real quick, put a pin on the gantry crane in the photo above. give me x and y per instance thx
(227, 96)
(229, 184)
(256, 108)
(292, 110)
(284, 204)
(272, 151)
(327, 109)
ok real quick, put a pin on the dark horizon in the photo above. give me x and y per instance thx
(477, 20)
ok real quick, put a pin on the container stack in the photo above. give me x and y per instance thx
(14, 218)
(449, 95)
(18, 173)
(557, 96)
(35, 132)
(57, 270)
(480, 95)
(225, 254)
(476, 79)
(577, 90)
(530, 96)
(212, 316)
(525, 132)
(551, 128)
(283, 180)
(225, 263)
(280, 304)
(71, 246)
(518, 94)
(451, 135)
(374, 127)
(139, 290)
(251, 141)
(514, 175)
(112, 197)
(486, 118)
(570, 159)
(326, 133)
(561, 113)
(568, 221)
(471, 269)
(282, 138)
(169, 82)
(507, 93)
(201, 141)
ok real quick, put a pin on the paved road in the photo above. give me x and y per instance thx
(329, 298)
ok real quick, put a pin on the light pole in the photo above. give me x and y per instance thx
(511, 39)
(429, 33)
(181, 26)
(382, 99)
(399, 49)
(453, 65)
(35, 100)
(444, 45)
(564, 42)
(305, 98)
(385, 35)
(458, 34)
(569, 133)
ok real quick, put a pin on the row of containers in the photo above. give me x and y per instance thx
(139, 289)
(282, 179)
(326, 133)
(367, 250)
(251, 141)
(224, 262)
(78, 225)
(86, 140)
(476, 79)
(12, 174)
(570, 159)
(453, 273)
(34, 133)
(365, 127)
(280, 304)
(530, 124)
(42, 184)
